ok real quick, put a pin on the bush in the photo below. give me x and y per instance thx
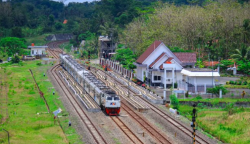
(174, 101)
(200, 105)
(39, 63)
(216, 90)
(16, 59)
(239, 82)
(186, 94)
(198, 97)
(175, 85)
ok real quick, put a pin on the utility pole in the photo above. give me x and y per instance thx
(128, 87)
(194, 122)
(212, 78)
(89, 61)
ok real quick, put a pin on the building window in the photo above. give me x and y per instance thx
(155, 77)
(32, 51)
(159, 77)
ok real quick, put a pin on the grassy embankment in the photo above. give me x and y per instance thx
(217, 100)
(230, 125)
(29, 121)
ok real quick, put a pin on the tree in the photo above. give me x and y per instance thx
(16, 32)
(224, 64)
(58, 26)
(200, 64)
(216, 90)
(12, 45)
(126, 57)
(242, 54)
(244, 66)
(174, 101)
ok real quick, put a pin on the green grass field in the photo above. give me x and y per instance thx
(228, 125)
(217, 100)
(38, 40)
(29, 121)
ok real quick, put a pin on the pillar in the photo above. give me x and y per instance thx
(220, 93)
(173, 78)
(164, 94)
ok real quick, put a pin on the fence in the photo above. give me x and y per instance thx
(40, 92)
(115, 66)
(194, 88)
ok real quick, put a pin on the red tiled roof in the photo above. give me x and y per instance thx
(150, 49)
(209, 63)
(151, 65)
(65, 21)
(167, 61)
(186, 57)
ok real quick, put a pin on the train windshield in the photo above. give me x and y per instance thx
(116, 98)
(109, 98)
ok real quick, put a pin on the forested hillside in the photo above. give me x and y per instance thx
(216, 29)
(210, 28)
(26, 18)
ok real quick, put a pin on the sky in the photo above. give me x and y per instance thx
(68, 1)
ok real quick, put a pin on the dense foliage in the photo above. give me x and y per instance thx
(126, 57)
(213, 30)
(12, 45)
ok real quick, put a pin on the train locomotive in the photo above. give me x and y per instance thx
(102, 94)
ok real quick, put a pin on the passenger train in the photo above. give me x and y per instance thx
(102, 94)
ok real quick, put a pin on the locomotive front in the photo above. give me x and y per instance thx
(112, 103)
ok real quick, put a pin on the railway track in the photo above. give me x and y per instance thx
(126, 130)
(53, 48)
(78, 108)
(161, 138)
(171, 120)
(88, 101)
(121, 90)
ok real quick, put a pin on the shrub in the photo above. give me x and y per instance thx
(16, 59)
(186, 94)
(239, 82)
(227, 82)
(198, 97)
(244, 83)
(175, 85)
(216, 90)
(174, 101)
(229, 108)
(39, 63)
(200, 105)
(231, 82)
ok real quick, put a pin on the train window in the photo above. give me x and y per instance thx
(116, 98)
(109, 98)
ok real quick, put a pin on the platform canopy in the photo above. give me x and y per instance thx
(197, 72)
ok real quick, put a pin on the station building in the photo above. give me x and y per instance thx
(158, 66)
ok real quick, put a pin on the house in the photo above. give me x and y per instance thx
(158, 66)
(107, 46)
(38, 50)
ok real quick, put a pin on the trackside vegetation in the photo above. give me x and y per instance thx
(29, 120)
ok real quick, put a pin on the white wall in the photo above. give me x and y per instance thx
(205, 80)
(178, 76)
(37, 51)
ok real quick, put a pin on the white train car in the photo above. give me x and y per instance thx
(102, 94)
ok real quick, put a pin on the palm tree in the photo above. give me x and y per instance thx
(243, 54)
